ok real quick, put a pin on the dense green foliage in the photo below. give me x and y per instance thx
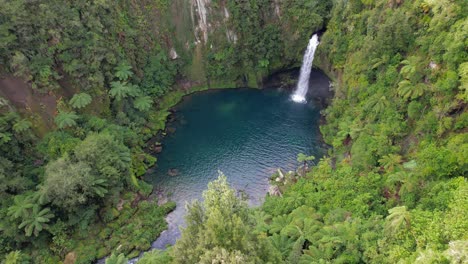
(393, 188)
(77, 189)
(265, 39)
(221, 229)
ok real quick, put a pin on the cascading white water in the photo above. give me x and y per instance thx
(303, 84)
(201, 8)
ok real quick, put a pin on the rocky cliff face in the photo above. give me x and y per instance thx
(232, 43)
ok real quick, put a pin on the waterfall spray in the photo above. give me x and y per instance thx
(303, 84)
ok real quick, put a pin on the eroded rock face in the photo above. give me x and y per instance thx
(274, 191)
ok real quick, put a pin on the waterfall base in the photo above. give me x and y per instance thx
(298, 98)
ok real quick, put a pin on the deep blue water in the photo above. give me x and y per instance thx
(245, 133)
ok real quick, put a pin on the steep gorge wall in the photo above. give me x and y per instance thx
(77, 47)
(229, 43)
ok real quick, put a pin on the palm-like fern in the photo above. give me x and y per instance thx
(80, 100)
(143, 103)
(390, 161)
(261, 219)
(398, 218)
(21, 126)
(123, 71)
(279, 222)
(120, 90)
(407, 90)
(36, 221)
(99, 186)
(282, 243)
(66, 119)
(408, 69)
(20, 208)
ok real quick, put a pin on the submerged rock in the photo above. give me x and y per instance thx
(173, 172)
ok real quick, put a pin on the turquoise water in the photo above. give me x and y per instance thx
(245, 133)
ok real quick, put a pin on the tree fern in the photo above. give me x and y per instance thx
(80, 100)
(398, 218)
(283, 244)
(36, 221)
(390, 161)
(20, 208)
(279, 223)
(21, 126)
(143, 103)
(123, 71)
(99, 186)
(407, 90)
(66, 119)
(121, 90)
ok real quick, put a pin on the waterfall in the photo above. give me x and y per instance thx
(201, 8)
(303, 84)
(230, 34)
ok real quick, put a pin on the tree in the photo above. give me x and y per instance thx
(66, 119)
(409, 91)
(390, 161)
(107, 157)
(221, 228)
(80, 100)
(143, 103)
(21, 207)
(123, 71)
(398, 218)
(68, 184)
(36, 221)
(121, 90)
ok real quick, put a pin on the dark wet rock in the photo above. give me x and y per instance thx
(171, 118)
(171, 129)
(158, 148)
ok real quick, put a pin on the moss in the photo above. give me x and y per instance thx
(252, 80)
